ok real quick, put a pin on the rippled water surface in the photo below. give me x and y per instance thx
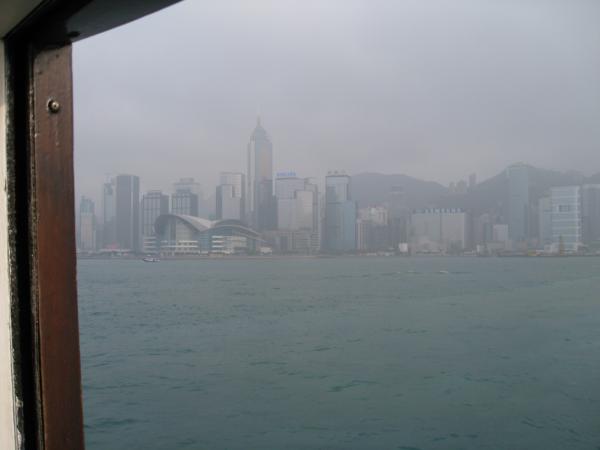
(349, 353)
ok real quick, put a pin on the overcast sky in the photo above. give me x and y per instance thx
(435, 89)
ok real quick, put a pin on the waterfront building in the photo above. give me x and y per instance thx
(154, 204)
(340, 214)
(109, 215)
(292, 241)
(228, 245)
(128, 212)
(566, 218)
(86, 236)
(518, 202)
(297, 202)
(590, 197)
(439, 230)
(398, 216)
(545, 222)
(259, 178)
(230, 195)
(188, 235)
(372, 232)
(482, 229)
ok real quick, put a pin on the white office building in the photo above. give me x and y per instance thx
(566, 218)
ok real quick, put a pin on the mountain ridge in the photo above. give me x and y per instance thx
(373, 188)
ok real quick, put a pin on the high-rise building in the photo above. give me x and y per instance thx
(340, 214)
(590, 196)
(439, 230)
(154, 204)
(109, 214)
(372, 232)
(128, 212)
(86, 237)
(297, 206)
(545, 221)
(188, 184)
(566, 218)
(518, 202)
(482, 229)
(259, 178)
(186, 197)
(184, 202)
(294, 202)
(399, 216)
(230, 196)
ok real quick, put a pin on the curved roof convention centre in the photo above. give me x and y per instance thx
(202, 225)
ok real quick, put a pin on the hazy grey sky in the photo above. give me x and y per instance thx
(435, 89)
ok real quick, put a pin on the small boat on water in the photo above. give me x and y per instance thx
(150, 259)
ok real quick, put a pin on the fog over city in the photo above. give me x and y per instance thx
(341, 224)
(432, 89)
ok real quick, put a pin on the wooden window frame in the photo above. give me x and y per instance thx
(41, 213)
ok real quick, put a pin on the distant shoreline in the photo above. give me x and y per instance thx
(323, 256)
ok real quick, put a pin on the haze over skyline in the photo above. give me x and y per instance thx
(432, 89)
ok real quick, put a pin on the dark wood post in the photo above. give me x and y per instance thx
(53, 259)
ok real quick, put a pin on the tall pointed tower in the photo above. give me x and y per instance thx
(259, 204)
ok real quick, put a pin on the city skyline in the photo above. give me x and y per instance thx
(474, 85)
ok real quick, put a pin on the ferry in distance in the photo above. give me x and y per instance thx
(150, 259)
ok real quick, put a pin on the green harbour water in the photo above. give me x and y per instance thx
(411, 353)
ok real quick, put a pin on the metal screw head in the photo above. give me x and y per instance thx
(53, 106)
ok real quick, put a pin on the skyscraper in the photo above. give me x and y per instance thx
(439, 230)
(109, 214)
(128, 212)
(154, 204)
(259, 179)
(184, 202)
(86, 237)
(590, 196)
(372, 232)
(186, 197)
(399, 216)
(230, 196)
(340, 214)
(566, 217)
(545, 221)
(518, 202)
(297, 200)
(188, 184)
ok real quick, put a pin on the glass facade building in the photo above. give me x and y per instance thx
(184, 202)
(566, 217)
(340, 214)
(154, 204)
(128, 212)
(590, 212)
(86, 232)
